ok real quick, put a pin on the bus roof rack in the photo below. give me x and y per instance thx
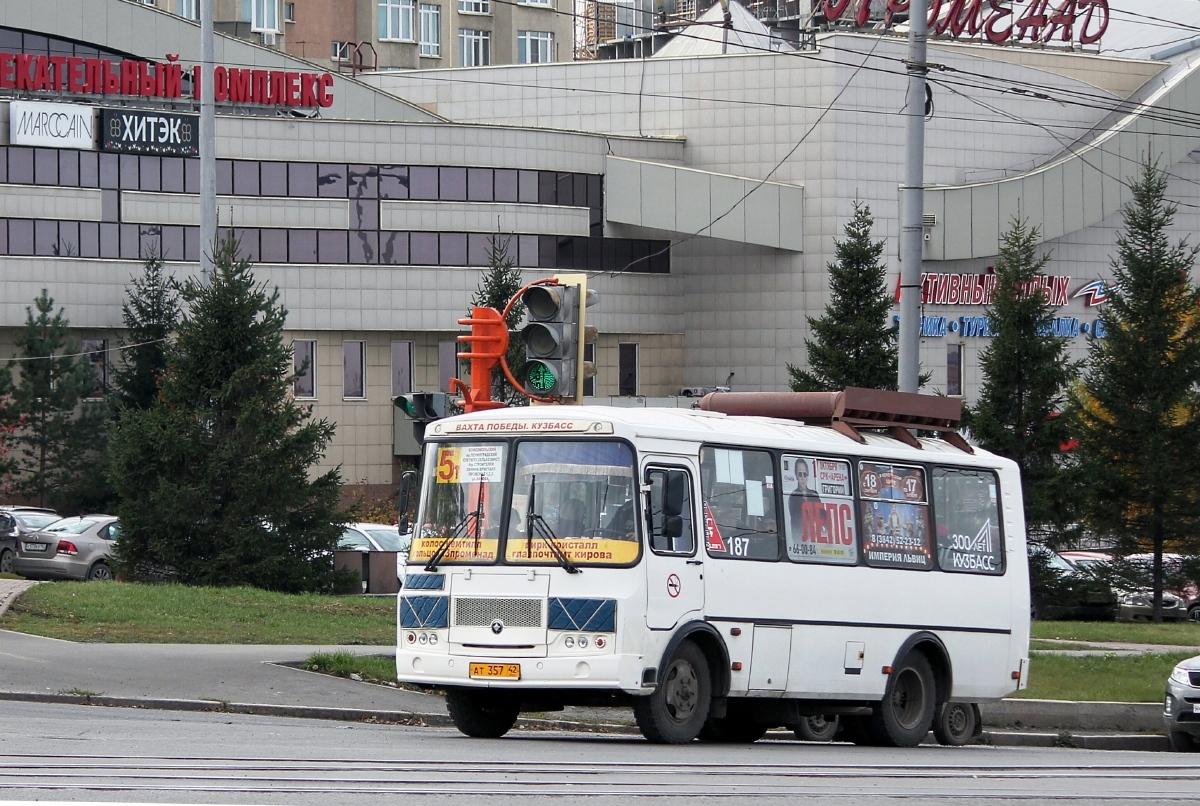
(851, 409)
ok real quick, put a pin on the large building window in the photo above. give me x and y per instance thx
(401, 368)
(339, 51)
(396, 19)
(264, 15)
(475, 6)
(304, 365)
(954, 369)
(189, 9)
(549, 3)
(474, 48)
(535, 47)
(431, 37)
(97, 357)
(627, 369)
(354, 367)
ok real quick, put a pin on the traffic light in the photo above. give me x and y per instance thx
(556, 336)
(423, 407)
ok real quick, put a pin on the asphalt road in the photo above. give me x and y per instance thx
(91, 754)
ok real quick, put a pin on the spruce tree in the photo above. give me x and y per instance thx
(1025, 378)
(1137, 410)
(216, 478)
(150, 313)
(853, 343)
(497, 286)
(58, 439)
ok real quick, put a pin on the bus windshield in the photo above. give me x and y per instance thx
(573, 501)
(462, 498)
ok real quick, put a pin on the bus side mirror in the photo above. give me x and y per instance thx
(672, 526)
(406, 485)
(674, 494)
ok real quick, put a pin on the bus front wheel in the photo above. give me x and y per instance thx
(905, 715)
(678, 708)
(481, 714)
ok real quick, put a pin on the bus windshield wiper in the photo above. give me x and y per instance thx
(457, 531)
(534, 521)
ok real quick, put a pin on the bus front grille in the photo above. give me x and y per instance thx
(513, 612)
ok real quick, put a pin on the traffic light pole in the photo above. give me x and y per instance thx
(912, 200)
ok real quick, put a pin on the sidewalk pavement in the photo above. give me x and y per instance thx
(268, 680)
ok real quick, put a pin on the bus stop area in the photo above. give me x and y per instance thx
(269, 681)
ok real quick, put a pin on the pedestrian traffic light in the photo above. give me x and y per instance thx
(556, 336)
(423, 407)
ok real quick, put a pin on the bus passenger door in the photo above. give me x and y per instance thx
(674, 566)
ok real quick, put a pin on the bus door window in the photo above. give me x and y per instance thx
(967, 518)
(895, 516)
(819, 496)
(738, 490)
(670, 520)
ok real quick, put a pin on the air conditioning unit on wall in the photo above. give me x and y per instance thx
(267, 38)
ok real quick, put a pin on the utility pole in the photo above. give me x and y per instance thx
(208, 144)
(912, 200)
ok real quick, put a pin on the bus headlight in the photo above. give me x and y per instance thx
(569, 641)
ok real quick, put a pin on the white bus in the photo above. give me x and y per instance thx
(721, 574)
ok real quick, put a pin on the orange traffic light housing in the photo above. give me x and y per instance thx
(488, 343)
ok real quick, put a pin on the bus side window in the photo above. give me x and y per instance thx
(670, 515)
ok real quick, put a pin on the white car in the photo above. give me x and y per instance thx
(378, 537)
(1181, 706)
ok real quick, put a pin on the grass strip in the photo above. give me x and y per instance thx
(1184, 633)
(117, 612)
(1099, 678)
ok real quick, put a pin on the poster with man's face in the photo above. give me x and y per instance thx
(819, 502)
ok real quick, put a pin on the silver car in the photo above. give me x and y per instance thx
(71, 548)
(378, 537)
(1181, 706)
(16, 521)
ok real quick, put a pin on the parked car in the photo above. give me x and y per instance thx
(70, 548)
(1181, 706)
(378, 537)
(1130, 580)
(16, 521)
(1060, 590)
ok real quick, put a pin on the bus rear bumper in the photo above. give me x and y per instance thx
(622, 672)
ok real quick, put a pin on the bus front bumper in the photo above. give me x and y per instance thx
(595, 672)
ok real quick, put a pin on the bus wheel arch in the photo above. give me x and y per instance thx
(918, 685)
(938, 656)
(705, 636)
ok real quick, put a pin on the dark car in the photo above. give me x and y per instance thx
(1060, 590)
(17, 521)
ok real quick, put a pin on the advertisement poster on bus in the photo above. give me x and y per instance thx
(895, 516)
(968, 521)
(820, 510)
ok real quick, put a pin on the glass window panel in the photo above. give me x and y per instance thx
(224, 178)
(401, 368)
(453, 184)
(627, 369)
(45, 166)
(37, 44)
(969, 539)
(110, 205)
(478, 245)
(954, 367)
(150, 240)
(565, 252)
(273, 245)
(131, 240)
(45, 238)
(818, 499)
(595, 192)
(547, 187)
(393, 248)
(424, 248)
(353, 369)
(20, 165)
(3, 163)
(191, 175)
(331, 181)
(129, 171)
(616, 254)
(527, 186)
(97, 358)
(110, 240)
(331, 246)
(660, 542)
(453, 247)
(248, 247)
(245, 178)
(595, 253)
(89, 169)
(423, 182)
(89, 239)
(68, 239)
(304, 365)
(110, 171)
(191, 243)
(172, 243)
(302, 179)
(565, 192)
(68, 168)
(20, 237)
(150, 169)
(302, 246)
(480, 184)
(660, 257)
(580, 198)
(273, 178)
(895, 516)
(364, 247)
(393, 181)
(506, 185)
(11, 40)
(547, 252)
(363, 181)
(738, 489)
(364, 214)
(172, 174)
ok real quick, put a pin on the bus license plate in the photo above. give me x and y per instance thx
(509, 670)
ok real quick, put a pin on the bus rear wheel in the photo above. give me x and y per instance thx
(481, 714)
(819, 728)
(957, 724)
(678, 708)
(905, 715)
